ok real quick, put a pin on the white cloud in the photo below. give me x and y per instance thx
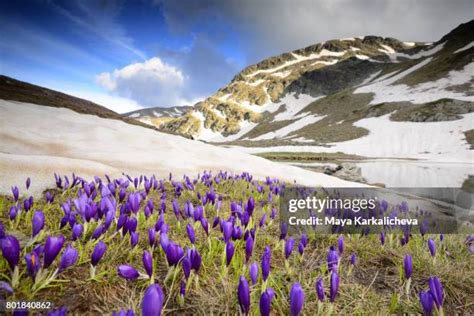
(149, 83)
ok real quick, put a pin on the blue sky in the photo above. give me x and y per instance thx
(131, 54)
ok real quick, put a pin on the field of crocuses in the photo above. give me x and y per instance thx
(212, 244)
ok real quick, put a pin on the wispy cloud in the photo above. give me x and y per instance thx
(99, 18)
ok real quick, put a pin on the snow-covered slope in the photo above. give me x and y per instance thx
(158, 115)
(39, 140)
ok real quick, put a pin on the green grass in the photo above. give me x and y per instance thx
(375, 286)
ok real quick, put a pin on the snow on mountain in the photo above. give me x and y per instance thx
(304, 94)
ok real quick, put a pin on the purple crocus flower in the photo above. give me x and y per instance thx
(229, 251)
(186, 263)
(69, 258)
(296, 299)
(49, 197)
(332, 259)
(174, 253)
(408, 266)
(28, 183)
(147, 260)
(320, 289)
(266, 302)
(353, 259)
(33, 264)
(340, 244)
(52, 248)
(382, 238)
(289, 247)
(283, 230)
(127, 272)
(205, 225)
(266, 262)
(432, 247)
(253, 272)
(301, 248)
(98, 252)
(13, 212)
(304, 239)
(436, 289)
(151, 236)
(191, 233)
(2, 231)
(153, 300)
(133, 239)
(196, 259)
(248, 248)
(6, 287)
(121, 313)
(243, 294)
(227, 228)
(77, 231)
(334, 286)
(15, 193)
(426, 300)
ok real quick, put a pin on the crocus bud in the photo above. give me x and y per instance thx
(334, 286)
(133, 239)
(266, 302)
(382, 238)
(340, 244)
(432, 247)
(353, 259)
(186, 263)
(320, 289)
(151, 236)
(16, 193)
(408, 266)
(147, 260)
(98, 252)
(436, 289)
(289, 247)
(52, 248)
(37, 222)
(127, 272)
(304, 239)
(153, 300)
(332, 259)
(426, 300)
(296, 299)
(227, 229)
(243, 293)
(28, 183)
(69, 258)
(77, 231)
(266, 262)
(253, 272)
(229, 251)
(191, 233)
(248, 248)
(283, 230)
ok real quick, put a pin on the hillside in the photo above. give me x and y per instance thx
(64, 141)
(157, 116)
(326, 93)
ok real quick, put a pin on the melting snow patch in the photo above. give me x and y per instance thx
(386, 91)
(296, 125)
(293, 105)
(471, 44)
(134, 115)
